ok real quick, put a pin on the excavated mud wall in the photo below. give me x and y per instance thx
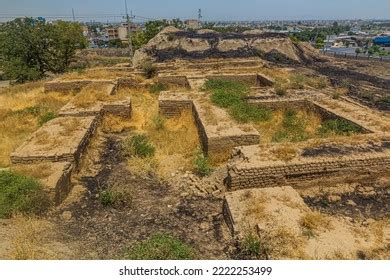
(74, 157)
(241, 177)
(69, 86)
(181, 81)
(300, 104)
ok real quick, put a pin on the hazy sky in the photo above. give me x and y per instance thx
(211, 9)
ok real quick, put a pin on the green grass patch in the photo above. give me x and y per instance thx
(139, 145)
(251, 245)
(159, 122)
(21, 194)
(293, 128)
(48, 116)
(230, 95)
(158, 87)
(338, 127)
(161, 247)
(202, 165)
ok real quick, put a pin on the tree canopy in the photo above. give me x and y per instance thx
(29, 47)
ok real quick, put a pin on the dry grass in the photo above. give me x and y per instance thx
(20, 107)
(90, 95)
(38, 171)
(267, 130)
(313, 222)
(30, 239)
(70, 126)
(95, 74)
(284, 152)
(281, 243)
(176, 143)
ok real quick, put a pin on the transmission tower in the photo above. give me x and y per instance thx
(128, 19)
(200, 17)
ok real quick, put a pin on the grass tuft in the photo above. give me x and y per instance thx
(139, 146)
(161, 247)
(21, 194)
(202, 165)
(338, 127)
(48, 116)
(158, 87)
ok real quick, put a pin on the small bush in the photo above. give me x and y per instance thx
(280, 90)
(114, 197)
(139, 146)
(336, 95)
(159, 122)
(157, 88)
(21, 194)
(149, 70)
(251, 245)
(161, 247)
(202, 165)
(338, 127)
(46, 117)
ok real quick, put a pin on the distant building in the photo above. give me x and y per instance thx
(383, 41)
(112, 33)
(192, 23)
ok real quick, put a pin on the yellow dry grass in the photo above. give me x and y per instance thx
(20, 107)
(315, 221)
(38, 171)
(30, 239)
(95, 74)
(176, 143)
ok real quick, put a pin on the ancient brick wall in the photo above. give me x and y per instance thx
(181, 81)
(242, 176)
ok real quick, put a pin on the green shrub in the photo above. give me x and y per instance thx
(21, 194)
(149, 70)
(338, 127)
(159, 122)
(251, 245)
(280, 90)
(139, 145)
(202, 165)
(46, 117)
(336, 95)
(158, 87)
(113, 197)
(161, 247)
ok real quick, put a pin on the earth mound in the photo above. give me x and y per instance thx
(172, 43)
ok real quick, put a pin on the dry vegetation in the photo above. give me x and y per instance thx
(175, 139)
(21, 107)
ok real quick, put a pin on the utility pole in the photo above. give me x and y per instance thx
(200, 17)
(129, 31)
(74, 18)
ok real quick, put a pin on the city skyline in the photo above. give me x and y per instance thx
(217, 10)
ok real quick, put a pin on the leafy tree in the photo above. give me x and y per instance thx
(116, 43)
(29, 47)
(358, 51)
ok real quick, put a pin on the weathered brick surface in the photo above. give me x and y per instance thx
(181, 81)
(249, 79)
(53, 142)
(67, 86)
(251, 174)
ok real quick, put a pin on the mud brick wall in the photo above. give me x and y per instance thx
(172, 108)
(263, 80)
(242, 177)
(76, 85)
(65, 86)
(123, 109)
(71, 156)
(63, 186)
(181, 81)
(215, 143)
(249, 79)
(301, 104)
(127, 82)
